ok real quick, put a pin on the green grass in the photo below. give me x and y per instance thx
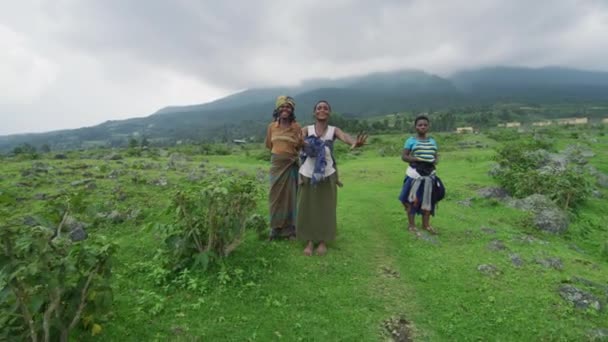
(270, 291)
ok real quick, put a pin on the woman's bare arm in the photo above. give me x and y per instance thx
(407, 157)
(353, 142)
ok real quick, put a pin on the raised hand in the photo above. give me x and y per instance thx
(361, 140)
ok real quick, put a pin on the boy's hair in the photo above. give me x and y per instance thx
(319, 102)
(421, 117)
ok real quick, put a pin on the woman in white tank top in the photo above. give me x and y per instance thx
(317, 199)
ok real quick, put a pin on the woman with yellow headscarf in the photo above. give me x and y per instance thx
(284, 140)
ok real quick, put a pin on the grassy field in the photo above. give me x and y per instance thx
(374, 274)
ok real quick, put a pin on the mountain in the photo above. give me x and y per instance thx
(541, 85)
(246, 113)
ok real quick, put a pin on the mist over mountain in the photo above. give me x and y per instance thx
(247, 113)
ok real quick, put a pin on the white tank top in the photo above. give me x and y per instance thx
(308, 167)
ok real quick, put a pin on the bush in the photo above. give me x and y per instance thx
(50, 284)
(503, 135)
(525, 168)
(209, 222)
(263, 155)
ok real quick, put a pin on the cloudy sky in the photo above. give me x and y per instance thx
(73, 63)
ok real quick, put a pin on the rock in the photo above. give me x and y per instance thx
(488, 269)
(426, 236)
(602, 180)
(30, 221)
(91, 186)
(552, 221)
(495, 170)
(600, 334)
(597, 194)
(488, 231)
(40, 167)
(558, 161)
(531, 203)
(134, 214)
(576, 248)
(591, 284)
(540, 156)
(163, 153)
(113, 156)
(113, 174)
(592, 170)
(465, 202)
(72, 223)
(530, 240)
(579, 298)
(547, 216)
(78, 166)
(587, 154)
(492, 192)
(82, 182)
(176, 160)
(399, 329)
(40, 196)
(78, 234)
(177, 157)
(193, 176)
(61, 156)
(549, 163)
(516, 260)
(389, 272)
(555, 263)
(497, 245)
(160, 182)
(578, 154)
(121, 196)
(115, 217)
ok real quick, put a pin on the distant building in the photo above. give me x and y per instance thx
(605, 120)
(542, 123)
(514, 124)
(239, 141)
(464, 130)
(573, 121)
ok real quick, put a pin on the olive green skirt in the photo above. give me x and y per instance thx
(316, 220)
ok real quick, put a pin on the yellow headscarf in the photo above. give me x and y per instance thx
(283, 100)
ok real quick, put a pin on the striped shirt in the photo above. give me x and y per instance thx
(282, 140)
(425, 150)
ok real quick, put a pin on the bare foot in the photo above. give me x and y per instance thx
(321, 249)
(308, 249)
(414, 230)
(431, 230)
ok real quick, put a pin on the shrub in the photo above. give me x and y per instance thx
(209, 222)
(50, 284)
(525, 168)
(503, 135)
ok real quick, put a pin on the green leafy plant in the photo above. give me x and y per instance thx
(50, 284)
(210, 222)
(520, 173)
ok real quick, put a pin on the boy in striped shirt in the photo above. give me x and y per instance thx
(420, 152)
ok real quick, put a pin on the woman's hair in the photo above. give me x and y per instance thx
(421, 117)
(277, 112)
(319, 102)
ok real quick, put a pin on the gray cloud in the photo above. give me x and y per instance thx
(95, 60)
